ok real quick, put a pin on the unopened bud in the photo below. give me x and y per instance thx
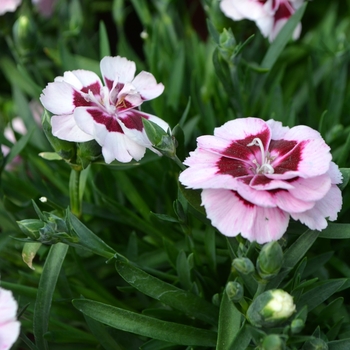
(31, 227)
(270, 260)
(243, 265)
(297, 326)
(273, 342)
(88, 152)
(24, 35)
(234, 291)
(227, 44)
(271, 308)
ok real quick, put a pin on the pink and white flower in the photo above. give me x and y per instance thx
(9, 326)
(255, 175)
(9, 6)
(269, 15)
(84, 109)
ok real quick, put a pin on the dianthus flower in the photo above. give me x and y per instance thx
(84, 109)
(9, 326)
(255, 175)
(269, 15)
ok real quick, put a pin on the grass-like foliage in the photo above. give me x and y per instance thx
(122, 256)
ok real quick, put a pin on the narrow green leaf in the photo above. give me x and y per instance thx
(346, 177)
(330, 310)
(104, 43)
(229, 324)
(319, 293)
(19, 145)
(343, 344)
(88, 240)
(188, 303)
(336, 231)
(47, 284)
(146, 326)
(132, 194)
(299, 248)
(242, 339)
(282, 38)
(101, 334)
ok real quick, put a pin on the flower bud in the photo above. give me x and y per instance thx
(227, 44)
(24, 35)
(270, 308)
(31, 227)
(216, 300)
(243, 265)
(273, 342)
(161, 141)
(234, 291)
(65, 149)
(315, 344)
(88, 152)
(270, 260)
(297, 325)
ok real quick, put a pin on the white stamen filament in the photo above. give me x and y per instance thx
(265, 167)
(102, 100)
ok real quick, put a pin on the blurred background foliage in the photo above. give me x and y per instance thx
(138, 208)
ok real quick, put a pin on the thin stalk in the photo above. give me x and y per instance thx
(74, 193)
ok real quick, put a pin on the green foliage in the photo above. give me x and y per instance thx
(122, 256)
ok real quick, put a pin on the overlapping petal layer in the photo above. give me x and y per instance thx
(269, 15)
(255, 174)
(85, 109)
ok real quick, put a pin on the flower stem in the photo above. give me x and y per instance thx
(74, 193)
(178, 162)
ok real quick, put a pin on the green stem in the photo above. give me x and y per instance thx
(74, 193)
(178, 162)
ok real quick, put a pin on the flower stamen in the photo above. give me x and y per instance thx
(265, 167)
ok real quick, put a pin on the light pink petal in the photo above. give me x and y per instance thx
(9, 333)
(117, 69)
(326, 208)
(9, 5)
(147, 86)
(262, 182)
(260, 198)
(285, 201)
(335, 174)
(277, 129)
(265, 24)
(8, 306)
(58, 98)
(244, 129)
(232, 215)
(65, 128)
(227, 148)
(118, 146)
(203, 172)
(311, 189)
(9, 326)
(240, 9)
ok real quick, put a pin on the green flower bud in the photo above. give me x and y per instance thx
(270, 260)
(315, 344)
(31, 227)
(273, 342)
(297, 325)
(161, 141)
(243, 265)
(227, 44)
(88, 152)
(234, 291)
(24, 35)
(270, 308)
(65, 149)
(216, 300)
